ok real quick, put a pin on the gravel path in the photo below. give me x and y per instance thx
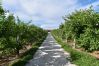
(50, 54)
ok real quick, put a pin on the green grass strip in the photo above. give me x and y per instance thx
(77, 57)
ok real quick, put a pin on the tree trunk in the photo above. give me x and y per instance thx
(17, 51)
(66, 40)
(74, 43)
(17, 48)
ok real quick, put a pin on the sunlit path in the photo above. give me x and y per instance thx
(50, 54)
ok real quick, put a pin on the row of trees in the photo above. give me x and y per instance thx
(15, 34)
(82, 27)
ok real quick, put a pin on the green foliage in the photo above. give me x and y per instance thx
(89, 40)
(15, 33)
(82, 26)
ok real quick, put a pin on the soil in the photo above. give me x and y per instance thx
(94, 53)
(5, 61)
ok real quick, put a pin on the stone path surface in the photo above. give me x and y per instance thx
(50, 54)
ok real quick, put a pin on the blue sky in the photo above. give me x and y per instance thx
(46, 13)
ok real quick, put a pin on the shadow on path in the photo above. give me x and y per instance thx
(50, 54)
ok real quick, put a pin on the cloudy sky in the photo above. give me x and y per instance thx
(46, 13)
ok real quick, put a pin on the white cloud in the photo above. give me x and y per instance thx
(47, 8)
(45, 13)
(10, 2)
(22, 15)
(49, 26)
(51, 11)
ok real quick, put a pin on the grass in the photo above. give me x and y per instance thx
(78, 57)
(27, 55)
